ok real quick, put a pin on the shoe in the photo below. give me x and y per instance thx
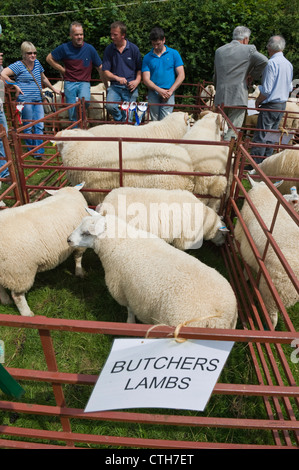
(41, 158)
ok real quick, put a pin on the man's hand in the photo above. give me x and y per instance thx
(122, 80)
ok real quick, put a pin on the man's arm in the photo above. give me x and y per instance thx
(55, 64)
(134, 83)
(259, 62)
(146, 78)
(114, 78)
(259, 100)
(180, 71)
(165, 94)
(102, 76)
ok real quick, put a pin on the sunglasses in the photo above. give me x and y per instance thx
(29, 53)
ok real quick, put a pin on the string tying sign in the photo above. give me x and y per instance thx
(159, 373)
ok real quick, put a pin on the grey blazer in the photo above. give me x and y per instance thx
(233, 63)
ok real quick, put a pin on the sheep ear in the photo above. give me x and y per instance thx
(219, 121)
(98, 208)
(251, 181)
(223, 229)
(278, 183)
(91, 212)
(80, 186)
(51, 191)
(100, 226)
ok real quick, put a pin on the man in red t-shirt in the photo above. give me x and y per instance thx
(78, 58)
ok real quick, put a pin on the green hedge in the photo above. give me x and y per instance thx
(194, 27)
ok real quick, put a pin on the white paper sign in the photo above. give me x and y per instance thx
(159, 373)
(251, 104)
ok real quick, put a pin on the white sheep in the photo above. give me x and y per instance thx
(207, 95)
(208, 158)
(136, 156)
(284, 164)
(177, 216)
(33, 238)
(286, 235)
(289, 118)
(173, 126)
(292, 117)
(155, 281)
(95, 110)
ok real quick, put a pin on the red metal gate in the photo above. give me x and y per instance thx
(272, 352)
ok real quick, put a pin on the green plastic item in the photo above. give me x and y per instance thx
(9, 385)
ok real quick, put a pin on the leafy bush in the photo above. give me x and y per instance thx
(194, 27)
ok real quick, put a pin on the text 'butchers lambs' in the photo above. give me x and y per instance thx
(159, 373)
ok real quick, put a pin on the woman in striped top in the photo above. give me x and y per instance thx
(29, 79)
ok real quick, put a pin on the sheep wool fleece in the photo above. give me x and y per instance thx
(140, 156)
(286, 235)
(161, 284)
(33, 237)
(173, 126)
(168, 214)
(283, 164)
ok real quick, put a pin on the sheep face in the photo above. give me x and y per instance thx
(220, 236)
(86, 233)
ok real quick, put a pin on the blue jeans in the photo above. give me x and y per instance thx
(267, 120)
(157, 113)
(119, 93)
(3, 121)
(33, 112)
(73, 90)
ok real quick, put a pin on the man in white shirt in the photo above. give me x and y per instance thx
(274, 93)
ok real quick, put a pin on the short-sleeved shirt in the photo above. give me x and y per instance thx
(25, 81)
(125, 64)
(162, 68)
(78, 61)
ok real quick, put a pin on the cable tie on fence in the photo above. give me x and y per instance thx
(178, 327)
(185, 323)
(154, 326)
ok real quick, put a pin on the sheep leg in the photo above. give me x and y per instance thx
(78, 254)
(4, 297)
(131, 317)
(21, 303)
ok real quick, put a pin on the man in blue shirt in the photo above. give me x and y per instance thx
(274, 92)
(122, 67)
(78, 59)
(162, 73)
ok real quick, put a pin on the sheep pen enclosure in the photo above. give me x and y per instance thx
(57, 355)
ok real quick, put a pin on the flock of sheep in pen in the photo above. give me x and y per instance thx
(147, 268)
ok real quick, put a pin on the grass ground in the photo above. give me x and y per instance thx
(59, 294)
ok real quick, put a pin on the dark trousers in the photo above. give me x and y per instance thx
(267, 120)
